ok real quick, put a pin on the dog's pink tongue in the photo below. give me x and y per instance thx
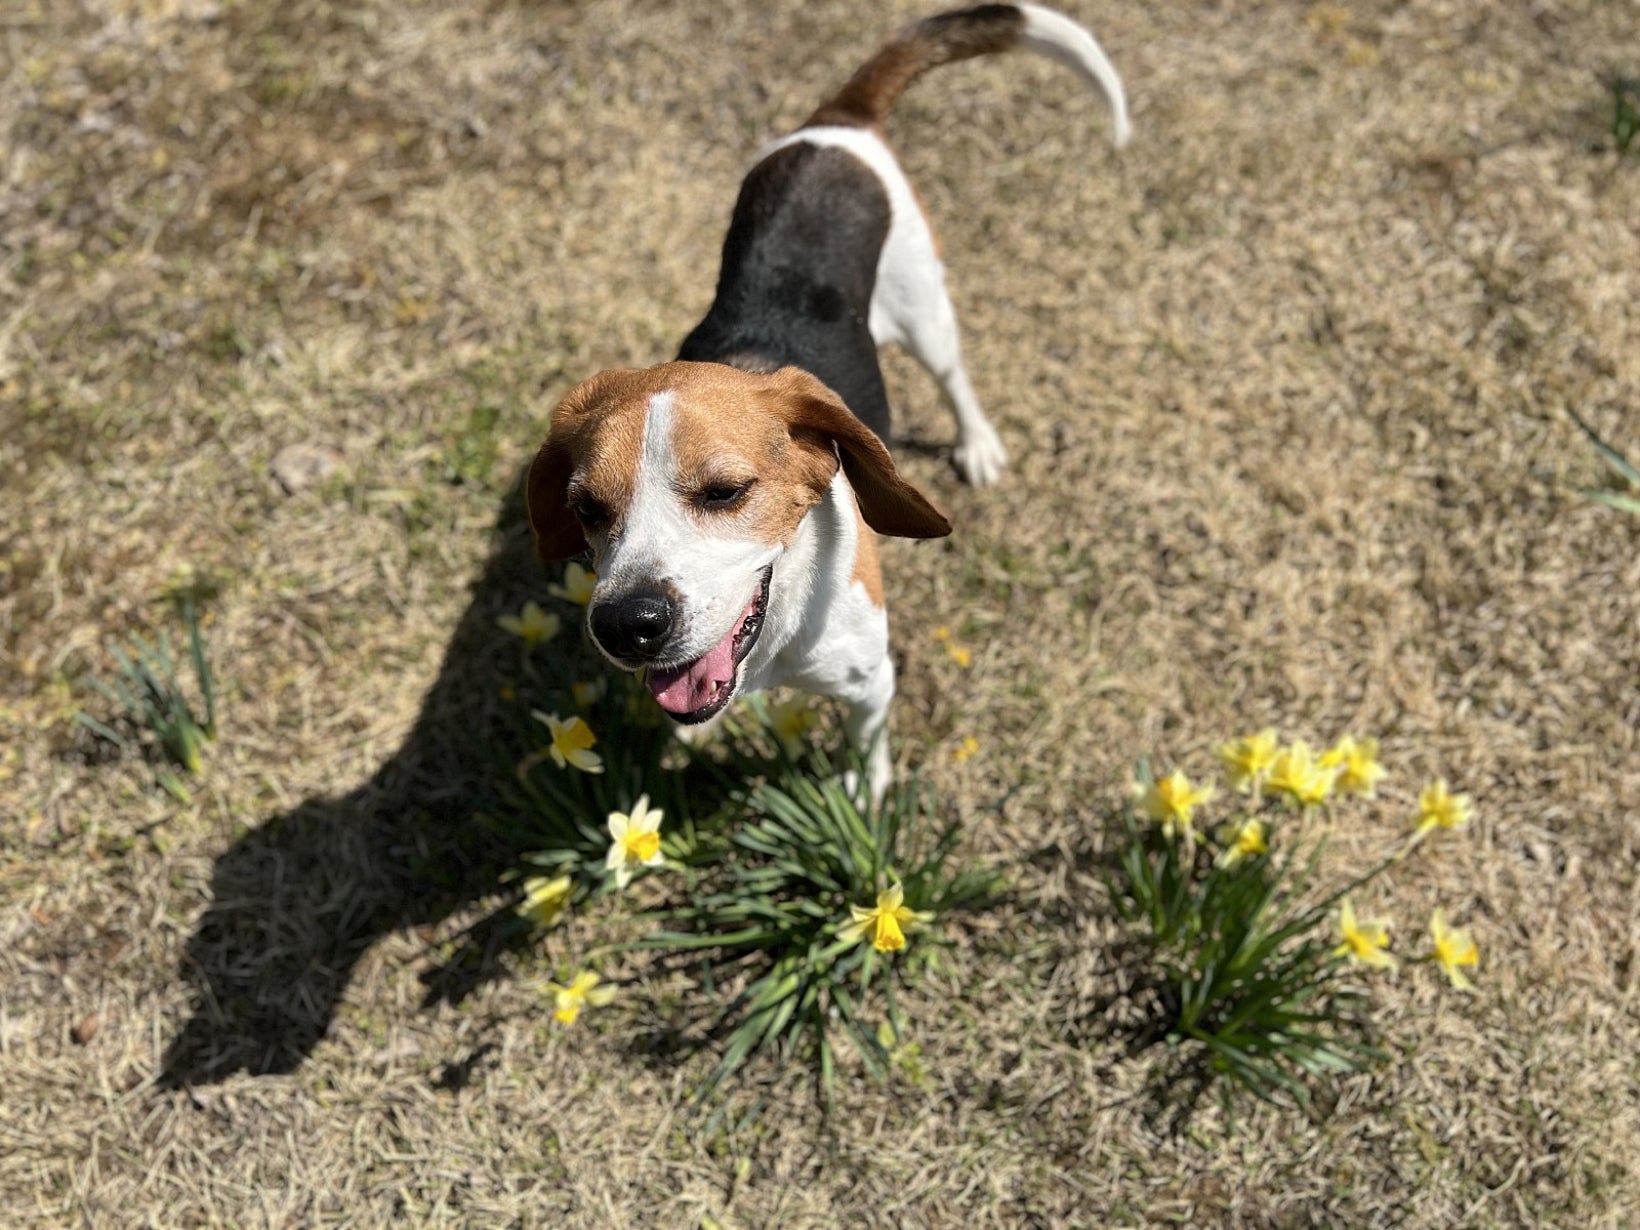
(684, 689)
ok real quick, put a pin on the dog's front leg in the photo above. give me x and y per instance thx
(867, 728)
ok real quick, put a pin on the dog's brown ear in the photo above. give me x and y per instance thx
(889, 504)
(557, 532)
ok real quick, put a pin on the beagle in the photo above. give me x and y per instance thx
(731, 499)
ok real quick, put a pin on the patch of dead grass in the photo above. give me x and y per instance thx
(1283, 383)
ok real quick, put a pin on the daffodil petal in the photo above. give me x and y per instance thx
(856, 930)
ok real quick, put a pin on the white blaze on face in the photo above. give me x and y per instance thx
(715, 572)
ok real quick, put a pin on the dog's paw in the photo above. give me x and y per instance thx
(879, 775)
(980, 457)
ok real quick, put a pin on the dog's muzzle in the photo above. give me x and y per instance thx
(695, 690)
(634, 627)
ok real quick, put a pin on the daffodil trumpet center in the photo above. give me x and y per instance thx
(642, 846)
(889, 937)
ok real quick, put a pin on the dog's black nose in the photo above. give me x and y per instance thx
(634, 626)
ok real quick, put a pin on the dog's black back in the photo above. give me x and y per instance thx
(799, 265)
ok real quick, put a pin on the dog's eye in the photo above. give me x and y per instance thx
(591, 513)
(719, 497)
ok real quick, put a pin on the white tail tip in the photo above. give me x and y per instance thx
(1058, 37)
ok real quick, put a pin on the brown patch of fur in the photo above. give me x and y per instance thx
(939, 248)
(868, 564)
(594, 442)
(869, 95)
(888, 502)
(751, 361)
(727, 428)
(786, 430)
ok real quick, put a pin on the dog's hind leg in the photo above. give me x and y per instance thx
(911, 307)
(932, 340)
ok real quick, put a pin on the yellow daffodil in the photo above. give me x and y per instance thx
(568, 1001)
(883, 922)
(1249, 840)
(1295, 773)
(1357, 765)
(577, 586)
(957, 652)
(1439, 808)
(636, 840)
(1172, 801)
(545, 900)
(532, 625)
(1247, 760)
(791, 720)
(1365, 942)
(1454, 946)
(571, 740)
(589, 693)
(965, 749)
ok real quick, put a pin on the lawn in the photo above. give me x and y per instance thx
(287, 294)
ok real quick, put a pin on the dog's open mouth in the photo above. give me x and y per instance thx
(694, 691)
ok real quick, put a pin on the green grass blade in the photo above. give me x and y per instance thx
(202, 669)
(1626, 503)
(101, 730)
(721, 939)
(1612, 457)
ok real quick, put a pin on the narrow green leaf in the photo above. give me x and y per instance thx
(1626, 503)
(1612, 457)
(688, 940)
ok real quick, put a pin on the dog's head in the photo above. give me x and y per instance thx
(688, 481)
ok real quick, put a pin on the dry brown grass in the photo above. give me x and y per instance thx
(1284, 383)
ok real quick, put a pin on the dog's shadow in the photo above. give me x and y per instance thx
(297, 901)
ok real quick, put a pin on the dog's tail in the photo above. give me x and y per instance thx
(870, 94)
